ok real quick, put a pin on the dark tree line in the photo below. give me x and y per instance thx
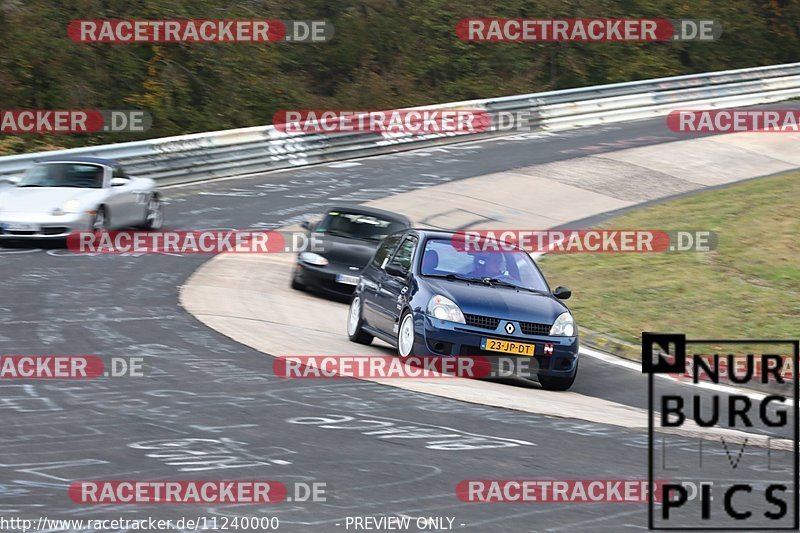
(386, 53)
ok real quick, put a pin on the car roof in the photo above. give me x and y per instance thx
(78, 159)
(428, 233)
(363, 210)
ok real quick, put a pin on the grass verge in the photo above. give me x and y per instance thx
(748, 287)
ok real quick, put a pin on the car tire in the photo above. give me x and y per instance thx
(100, 220)
(296, 285)
(557, 383)
(406, 335)
(355, 323)
(154, 214)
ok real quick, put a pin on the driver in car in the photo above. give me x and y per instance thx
(489, 265)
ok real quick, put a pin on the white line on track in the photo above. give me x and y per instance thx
(637, 367)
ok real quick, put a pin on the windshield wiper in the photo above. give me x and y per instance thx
(460, 278)
(503, 283)
(453, 276)
(336, 234)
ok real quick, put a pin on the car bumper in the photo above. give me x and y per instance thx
(553, 356)
(325, 279)
(42, 226)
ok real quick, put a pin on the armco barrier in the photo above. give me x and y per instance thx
(244, 151)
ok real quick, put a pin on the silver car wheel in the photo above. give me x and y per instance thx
(354, 317)
(405, 337)
(99, 222)
(155, 214)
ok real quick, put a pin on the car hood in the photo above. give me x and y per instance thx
(43, 199)
(499, 302)
(348, 252)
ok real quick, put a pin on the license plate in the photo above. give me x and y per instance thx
(347, 280)
(21, 226)
(499, 345)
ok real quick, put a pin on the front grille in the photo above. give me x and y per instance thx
(339, 288)
(532, 328)
(55, 230)
(480, 321)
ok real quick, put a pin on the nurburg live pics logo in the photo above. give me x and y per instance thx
(756, 486)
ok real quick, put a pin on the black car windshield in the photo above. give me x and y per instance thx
(79, 175)
(357, 226)
(449, 258)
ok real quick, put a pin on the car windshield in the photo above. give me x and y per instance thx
(79, 175)
(357, 226)
(446, 258)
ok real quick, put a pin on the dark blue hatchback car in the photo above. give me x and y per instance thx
(428, 294)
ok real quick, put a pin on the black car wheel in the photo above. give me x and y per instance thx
(296, 285)
(354, 323)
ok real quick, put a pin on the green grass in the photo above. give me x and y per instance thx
(748, 287)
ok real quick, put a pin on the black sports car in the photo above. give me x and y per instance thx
(348, 237)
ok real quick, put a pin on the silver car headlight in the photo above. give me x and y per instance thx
(564, 326)
(313, 259)
(445, 309)
(70, 207)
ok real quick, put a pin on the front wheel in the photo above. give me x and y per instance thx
(405, 335)
(100, 220)
(154, 214)
(296, 285)
(354, 323)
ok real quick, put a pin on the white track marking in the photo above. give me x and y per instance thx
(637, 367)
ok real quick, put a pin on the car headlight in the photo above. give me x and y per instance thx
(564, 326)
(313, 259)
(445, 309)
(70, 207)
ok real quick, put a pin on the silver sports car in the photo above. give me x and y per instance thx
(59, 196)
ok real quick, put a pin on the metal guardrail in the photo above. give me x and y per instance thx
(202, 156)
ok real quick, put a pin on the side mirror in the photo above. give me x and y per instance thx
(562, 293)
(119, 182)
(305, 224)
(12, 180)
(395, 270)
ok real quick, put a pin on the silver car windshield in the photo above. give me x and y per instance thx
(77, 175)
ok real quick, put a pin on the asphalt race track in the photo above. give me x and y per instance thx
(210, 408)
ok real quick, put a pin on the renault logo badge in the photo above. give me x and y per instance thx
(509, 328)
